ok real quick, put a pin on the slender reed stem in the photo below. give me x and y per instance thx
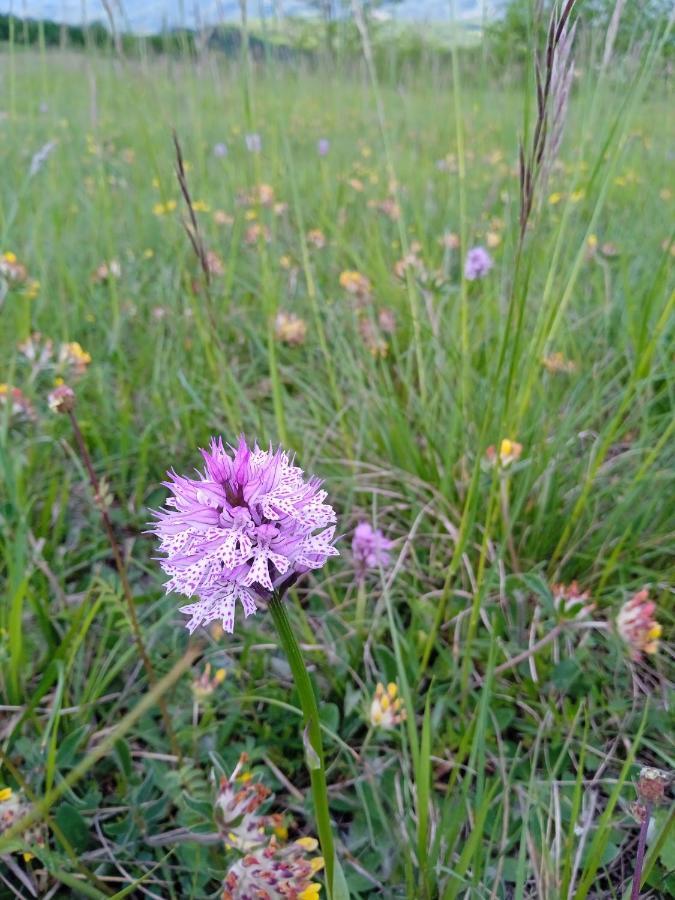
(124, 579)
(314, 752)
(640, 858)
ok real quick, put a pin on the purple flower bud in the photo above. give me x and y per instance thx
(323, 146)
(478, 263)
(220, 150)
(370, 549)
(253, 143)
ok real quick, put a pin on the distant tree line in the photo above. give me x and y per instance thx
(506, 45)
(631, 23)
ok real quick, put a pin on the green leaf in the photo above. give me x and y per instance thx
(340, 890)
(67, 752)
(123, 757)
(329, 715)
(667, 851)
(73, 826)
(565, 674)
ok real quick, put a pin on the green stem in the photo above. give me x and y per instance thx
(310, 712)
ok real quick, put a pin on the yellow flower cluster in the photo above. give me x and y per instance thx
(386, 710)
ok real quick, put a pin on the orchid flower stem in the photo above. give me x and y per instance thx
(313, 743)
(361, 605)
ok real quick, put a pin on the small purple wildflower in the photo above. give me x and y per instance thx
(323, 146)
(478, 263)
(220, 150)
(370, 549)
(248, 525)
(253, 143)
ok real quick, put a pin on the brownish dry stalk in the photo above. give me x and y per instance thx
(191, 227)
(553, 78)
(640, 857)
(531, 651)
(124, 578)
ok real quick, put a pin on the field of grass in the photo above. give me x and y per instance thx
(512, 774)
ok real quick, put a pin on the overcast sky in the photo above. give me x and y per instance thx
(152, 15)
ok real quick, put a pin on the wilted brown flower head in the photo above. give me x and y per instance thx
(256, 232)
(61, 399)
(316, 238)
(107, 271)
(652, 785)
(290, 329)
(214, 263)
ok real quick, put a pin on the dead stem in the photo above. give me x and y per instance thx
(124, 579)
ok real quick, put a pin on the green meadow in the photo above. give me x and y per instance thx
(511, 434)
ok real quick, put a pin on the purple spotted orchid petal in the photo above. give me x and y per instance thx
(248, 525)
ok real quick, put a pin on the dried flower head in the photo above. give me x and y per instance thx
(316, 238)
(236, 810)
(638, 627)
(570, 602)
(73, 358)
(214, 263)
(556, 363)
(385, 709)
(386, 319)
(477, 264)
(290, 329)
(13, 807)
(257, 232)
(652, 785)
(37, 350)
(107, 271)
(61, 399)
(370, 549)
(11, 269)
(410, 262)
(375, 343)
(264, 194)
(388, 207)
(19, 405)
(276, 873)
(220, 217)
(205, 684)
(248, 525)
(356, 284)
(509, 452)
(449, 240)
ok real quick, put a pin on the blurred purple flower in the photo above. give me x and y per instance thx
(478, 263)
(253, 143)
(248, 525)
(370, 549)
(220, 150)
(323, 146)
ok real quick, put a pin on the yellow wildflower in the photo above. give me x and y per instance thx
(509, 451)
(385, 709)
